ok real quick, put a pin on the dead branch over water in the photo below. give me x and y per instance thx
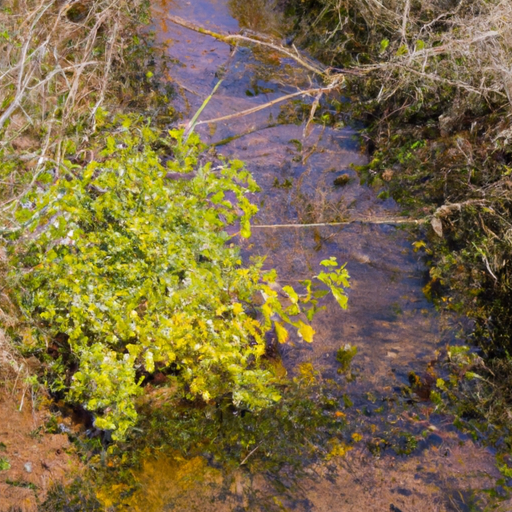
(333, 81)
(308, 92)
(367, 221)
(258, 39)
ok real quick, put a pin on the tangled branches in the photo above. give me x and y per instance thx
(423, 46)
(61, 65)
(434, 86)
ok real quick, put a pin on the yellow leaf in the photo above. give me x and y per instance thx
(245, 230)
(266, 310)
(291, 293)
(306, 332)
(419, 245)
(220, 310)
(237, 308)
(282, 333)
(338, 449)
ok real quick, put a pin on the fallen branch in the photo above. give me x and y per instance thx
(253, 110)
(229, 38)
(448, 209)
(345, 223)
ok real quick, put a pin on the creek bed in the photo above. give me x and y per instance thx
(396, 330)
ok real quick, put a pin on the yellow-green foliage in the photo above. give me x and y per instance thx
(136, 272)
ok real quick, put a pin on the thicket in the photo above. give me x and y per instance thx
(62, 65)
(432, 81)
(128, 270)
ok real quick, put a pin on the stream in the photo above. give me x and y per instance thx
(395, 329)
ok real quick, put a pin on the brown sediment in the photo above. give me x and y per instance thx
(34, 459)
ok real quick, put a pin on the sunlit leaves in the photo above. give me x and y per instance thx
(138, 274)
(336, 280)
(281, 332)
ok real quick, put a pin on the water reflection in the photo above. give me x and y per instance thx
(261, 16)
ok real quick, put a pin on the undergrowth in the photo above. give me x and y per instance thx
(118, 266)
(433, 84)
(125, 269)
(61, 66)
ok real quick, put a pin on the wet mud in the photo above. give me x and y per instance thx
(33, 459)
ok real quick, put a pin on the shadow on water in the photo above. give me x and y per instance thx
(390, 451)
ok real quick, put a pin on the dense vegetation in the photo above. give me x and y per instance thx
(123, 274)
(120, 264)
(433, 84)
(130, 270)
(61, 66)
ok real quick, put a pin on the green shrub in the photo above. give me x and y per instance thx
(130, 272)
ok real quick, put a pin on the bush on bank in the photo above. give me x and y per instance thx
(127, 269)
(61, 65)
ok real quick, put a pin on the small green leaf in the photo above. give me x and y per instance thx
(402, 50)
(473, 375)
(291, 293)
(331, 262)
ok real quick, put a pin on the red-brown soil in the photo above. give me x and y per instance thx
(37, 459)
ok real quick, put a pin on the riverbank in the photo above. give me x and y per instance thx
(431, 82)
(334, 432)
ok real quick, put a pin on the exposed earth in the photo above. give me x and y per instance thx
(31, 458)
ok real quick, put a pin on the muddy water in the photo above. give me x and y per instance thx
(395, 329)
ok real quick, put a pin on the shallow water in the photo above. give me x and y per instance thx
(394, 327)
